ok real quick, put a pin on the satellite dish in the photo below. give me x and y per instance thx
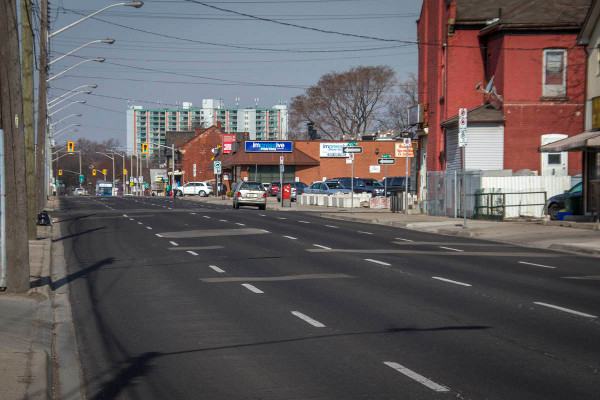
(490, 85)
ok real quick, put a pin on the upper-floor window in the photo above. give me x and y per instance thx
(555, 73)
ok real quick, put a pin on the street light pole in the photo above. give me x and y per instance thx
(79, 63)
(56, 102)
(109, 41)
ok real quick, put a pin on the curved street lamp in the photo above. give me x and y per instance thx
(79, 63)
(55, 134)
(109, 41)
(93, 86)
(62, 119)
(71, 103)
(136, 4)
(68, 97)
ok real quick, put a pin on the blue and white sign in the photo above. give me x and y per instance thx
(268, 146)
(332, 150)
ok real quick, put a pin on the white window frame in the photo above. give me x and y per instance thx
(554, 90)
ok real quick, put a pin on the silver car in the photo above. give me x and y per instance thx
(326, 188)
(250, 194)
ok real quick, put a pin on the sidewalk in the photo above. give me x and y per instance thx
(26, 324)
(582, 238)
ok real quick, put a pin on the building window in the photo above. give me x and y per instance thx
(555, 73)
(554, 159)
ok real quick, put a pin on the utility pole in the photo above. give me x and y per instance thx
(11, 123)
(42, 116)
(28, 119)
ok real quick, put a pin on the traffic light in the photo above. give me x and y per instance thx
(60, 172)
(70, 147)
(104, 171)
(144, 148)
(94, 172)
(125, 171)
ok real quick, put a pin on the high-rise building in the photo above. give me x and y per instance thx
(150, 125)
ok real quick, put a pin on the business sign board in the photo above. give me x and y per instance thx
(332, 150)
(400, 150)
(374, 169)
(268, 146)
(228, 143)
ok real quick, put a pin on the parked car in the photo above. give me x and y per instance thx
(78, 192)
(273, 188)
(556, 203)
(193, 188)
(297, 188)
(395, 183)
(326, 188)
(250, 194)
(375, 186)
(360, 186)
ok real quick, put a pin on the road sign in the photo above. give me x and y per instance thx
(217, 167)
(194, 170)
(384, 161)
(386, 156)
(406, 141)
(80, 178)
(281, 168)
(280, 160)
(352, 144)
(355, 150)
(462, 127)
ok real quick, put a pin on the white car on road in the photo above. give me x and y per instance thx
(194, 188)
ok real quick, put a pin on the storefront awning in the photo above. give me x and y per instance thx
(241, 157)
(574, 143)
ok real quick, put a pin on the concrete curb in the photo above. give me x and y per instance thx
(41, 376)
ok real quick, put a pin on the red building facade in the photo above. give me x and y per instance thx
(529, 49)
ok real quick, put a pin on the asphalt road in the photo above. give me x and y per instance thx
(187, 300)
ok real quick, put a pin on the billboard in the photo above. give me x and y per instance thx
(332, 149)
(268, 146)
(227, 143)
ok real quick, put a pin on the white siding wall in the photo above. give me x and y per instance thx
(485, 147)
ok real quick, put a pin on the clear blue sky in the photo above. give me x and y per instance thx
(179, 51)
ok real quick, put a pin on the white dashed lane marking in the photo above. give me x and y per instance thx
(450, 281)
(331, 226)
(308, 319)
(449, 248)
(252, 288)
(159, 235)
(419, 378)
(377, 261)
(217, 269)
(149, 227)
(192, 253)
(536, 265)
(322, 247)
(581, 314)
(290, 237)
(173, 243)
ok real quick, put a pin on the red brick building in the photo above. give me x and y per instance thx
(529, 49)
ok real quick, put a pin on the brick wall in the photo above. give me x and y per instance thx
(198, 151)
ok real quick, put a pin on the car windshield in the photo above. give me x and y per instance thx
(251, 186)
(376, 184)
(576, 188)
(334, 185)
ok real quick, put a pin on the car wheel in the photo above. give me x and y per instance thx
(262, 207)
(236, 205)
(202, 193)
(553, 211)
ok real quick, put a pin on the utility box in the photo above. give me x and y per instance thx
(286, 198)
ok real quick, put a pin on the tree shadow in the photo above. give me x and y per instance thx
(77, 234)
(140, 366)
(81, 273)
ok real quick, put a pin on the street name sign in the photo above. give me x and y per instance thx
(384, 161)
(386, 156)
(355, 150)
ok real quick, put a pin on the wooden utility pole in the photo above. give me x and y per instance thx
(28, 114)
(40, 150)
(11, 122)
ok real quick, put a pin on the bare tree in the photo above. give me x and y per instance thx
(343, 105)
(396, 115)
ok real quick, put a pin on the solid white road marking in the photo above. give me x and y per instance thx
(406, 240)
(376, 261)
(331, 226)
(290, 237)
(149, 227)
(192, 253)
(159, 235)
(304, 222)
(217, 269)
(449, 248)
(419, 378)
(565, 310)
(450, 281)
(252, 288)
(173, 243)
(366, 233)
(536, 265)
(322, 247)
(308, 319)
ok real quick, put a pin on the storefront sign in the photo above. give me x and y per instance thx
(332, 150)
(596, 113)
(268, 146)
(227, 143)
(400, 150)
